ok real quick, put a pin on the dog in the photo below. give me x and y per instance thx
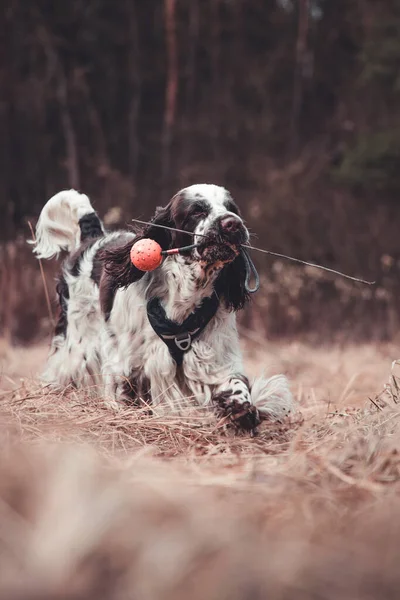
(166, 337)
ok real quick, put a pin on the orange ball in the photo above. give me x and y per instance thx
(146, 255)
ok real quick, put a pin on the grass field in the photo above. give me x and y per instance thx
(99, 505)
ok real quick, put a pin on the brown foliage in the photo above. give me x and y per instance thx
(292, 301)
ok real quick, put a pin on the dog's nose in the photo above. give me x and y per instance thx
(230, 224)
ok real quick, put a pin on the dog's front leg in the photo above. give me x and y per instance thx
(233, 399)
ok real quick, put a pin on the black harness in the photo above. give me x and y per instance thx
(179, 337)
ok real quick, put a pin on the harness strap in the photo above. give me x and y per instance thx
(179, 336)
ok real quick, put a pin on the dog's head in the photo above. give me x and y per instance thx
(208, 212)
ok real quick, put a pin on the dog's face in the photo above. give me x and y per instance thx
(209, 212)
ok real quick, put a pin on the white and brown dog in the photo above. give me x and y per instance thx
(168, 336)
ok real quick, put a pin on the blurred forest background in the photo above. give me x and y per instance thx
(293, 105)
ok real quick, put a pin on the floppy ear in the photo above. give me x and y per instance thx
(230, 285)
(118, 267)
(117, 261)
(164, 237)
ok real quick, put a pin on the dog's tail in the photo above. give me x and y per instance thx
(66, 220)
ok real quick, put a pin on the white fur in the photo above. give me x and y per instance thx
(99, 353)
(58, 225)
(77, 358)
(272, 396)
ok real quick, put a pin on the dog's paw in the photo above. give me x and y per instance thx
(243, 415)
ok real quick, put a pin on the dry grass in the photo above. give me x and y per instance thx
(97, 505)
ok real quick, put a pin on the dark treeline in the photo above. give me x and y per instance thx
(291, 104)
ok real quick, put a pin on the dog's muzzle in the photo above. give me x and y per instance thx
(232, 230)
(224, 239)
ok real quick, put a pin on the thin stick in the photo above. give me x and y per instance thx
(375, 403)
(46, 291)
(170, 228)
(308, 264)
(297, 260)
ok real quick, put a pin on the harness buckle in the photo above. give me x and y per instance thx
(183, 341)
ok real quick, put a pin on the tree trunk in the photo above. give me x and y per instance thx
(300, 57)
(171, 88)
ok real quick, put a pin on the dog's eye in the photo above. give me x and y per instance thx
(198, 210)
